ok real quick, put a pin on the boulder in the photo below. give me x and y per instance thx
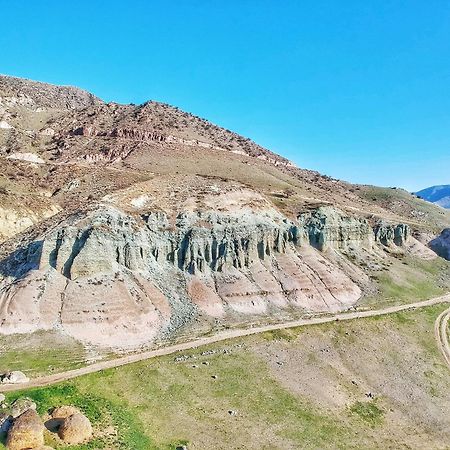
(58, 416)
(27, 432)
(15, 377)
(63, 412)
(2, 398)
(75, 429)
(21, 405)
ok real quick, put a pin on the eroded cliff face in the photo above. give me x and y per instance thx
(328, 227)
(441, 244)
(114, 278)
(388, 234)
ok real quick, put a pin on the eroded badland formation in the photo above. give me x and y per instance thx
(124, 225)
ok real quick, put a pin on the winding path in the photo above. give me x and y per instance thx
(440, 331)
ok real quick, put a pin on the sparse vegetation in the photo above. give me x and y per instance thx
(282, 334)
(410, 279)
(43, 353)
(368, 411)
(406, 204)
(163, 403)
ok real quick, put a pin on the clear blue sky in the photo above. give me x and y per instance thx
(359, 90)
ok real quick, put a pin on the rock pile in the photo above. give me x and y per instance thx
(24, 429)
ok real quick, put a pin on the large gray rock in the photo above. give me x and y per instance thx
(200, 242)
(441, 244)
(388, 234)
(15, 377)
(328, 227)
(21, 405)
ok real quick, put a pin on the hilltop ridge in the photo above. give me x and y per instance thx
(439, 195)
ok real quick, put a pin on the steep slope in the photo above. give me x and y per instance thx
(129, 272)
(441, 244)
(421, 214)
(25, 108)
(108, 277)
(128, 225)
(155, 138)
(440, 195)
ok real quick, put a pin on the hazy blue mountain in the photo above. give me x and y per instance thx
(440, 195)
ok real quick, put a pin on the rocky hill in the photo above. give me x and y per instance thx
(128, 225)
(439, 195)
(16, 92)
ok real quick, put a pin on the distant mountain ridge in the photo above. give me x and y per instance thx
(439, 195)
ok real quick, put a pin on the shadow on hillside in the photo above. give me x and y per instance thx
(441, 244)
(21, 261)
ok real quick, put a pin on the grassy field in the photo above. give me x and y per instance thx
(408, 280)
(271, 391)
(44, 352)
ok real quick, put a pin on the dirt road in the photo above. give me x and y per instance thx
(441, 333)
(440, 330)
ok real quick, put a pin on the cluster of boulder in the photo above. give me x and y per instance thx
(24, 428)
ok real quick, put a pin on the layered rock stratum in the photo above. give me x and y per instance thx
(127, 225)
